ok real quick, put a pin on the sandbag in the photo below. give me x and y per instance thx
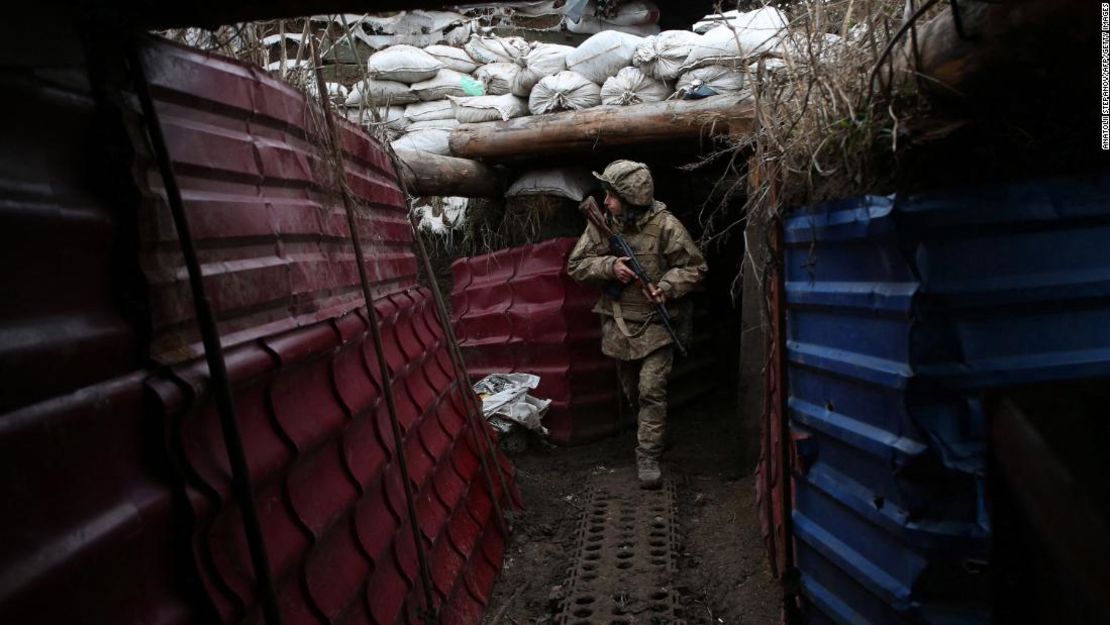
(453, 58)
(663, 55)
(392, 117)
(569, 182)
(403, 63)
(380, 93)
(433, 124)
(498, 77)
(490, 49)
(434, 140)
(448, 82)
(713, 20)
(708, 81)
(603, 55)
(631, 86)
(746, 35)
(589, 25)
(632, 13)
(489, 108)
(565, 91)
(424, 111)
(546, 59)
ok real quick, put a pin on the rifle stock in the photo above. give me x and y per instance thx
(619, 246)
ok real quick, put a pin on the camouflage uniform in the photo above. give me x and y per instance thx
(629, 332)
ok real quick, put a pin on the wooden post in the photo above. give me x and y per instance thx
(432, 174)
(603, 126)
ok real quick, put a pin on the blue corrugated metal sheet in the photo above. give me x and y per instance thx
(901, 311)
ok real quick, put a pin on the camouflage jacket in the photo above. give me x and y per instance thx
(671, 260)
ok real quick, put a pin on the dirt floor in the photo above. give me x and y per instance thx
(723, 576)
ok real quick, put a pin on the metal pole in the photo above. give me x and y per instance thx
(213, 352)
(375, 331)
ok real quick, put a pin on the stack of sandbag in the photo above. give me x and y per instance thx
(718, 58)
(543, 60)
(428, 127)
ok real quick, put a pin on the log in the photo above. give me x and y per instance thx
(995, 43)
(432, 174)
(603, 126)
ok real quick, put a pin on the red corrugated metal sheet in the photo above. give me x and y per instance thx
(87, 533)
(260, 194)
(516, 310)
(90, 531)
(329, 491)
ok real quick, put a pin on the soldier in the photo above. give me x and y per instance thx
(630, 331)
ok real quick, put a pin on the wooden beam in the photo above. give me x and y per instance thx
(980, 48)
(603, 126)
(432, 174)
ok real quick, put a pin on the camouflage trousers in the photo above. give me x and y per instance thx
(644, 383)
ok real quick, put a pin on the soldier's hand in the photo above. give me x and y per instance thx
(624, 274)
(656, 295)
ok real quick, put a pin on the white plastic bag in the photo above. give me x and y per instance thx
(489, 108)
(498, 77)
(710, 80)
(631, 86)
(433, 140)
(448, 82)
(744, 36)
(453, 58)
(490, 49)
(569, 182)
(545, 59)
(380, 93)
(603, 55)
(403, 63)
(663, 55)
(565, 91)
(425, 111)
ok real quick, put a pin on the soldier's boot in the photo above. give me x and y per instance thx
(647, 470)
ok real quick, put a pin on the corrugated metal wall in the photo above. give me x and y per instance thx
(900, 313)
(115, 474)
(259, 191)
(517, 310)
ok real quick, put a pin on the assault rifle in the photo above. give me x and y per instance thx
(621, 248)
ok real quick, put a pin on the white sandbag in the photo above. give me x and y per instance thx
(336, 91)
(433, 124)
(589, 25)
(453, 58)
(432, 140)
(746, 35)
(448, 82)
(565, 91)
(713, 20)
(545, 59)
(392, 117)
(663, 55)
(631, 86)
(380, 93)
(710, 80)
(424, 111)
(490, 49)
(489, 108)
(498, 77)
(569, 182)
(403, 63)
(603, 55)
